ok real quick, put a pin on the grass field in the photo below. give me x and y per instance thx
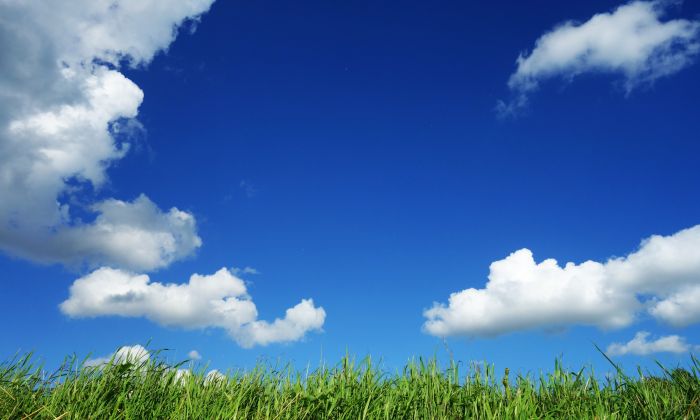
(422, 390)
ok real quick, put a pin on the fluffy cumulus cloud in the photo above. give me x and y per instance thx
(63, 105)
(136, 354)
(662, 278)
(194, 355)
(680, 308)
(640, 346)
(134, 234)
(634, 41)
(214, 377)
(219, 300)
(297, 320)
(139, 356)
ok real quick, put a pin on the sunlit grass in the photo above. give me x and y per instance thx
(349, 390)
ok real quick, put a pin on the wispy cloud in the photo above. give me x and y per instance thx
(244, 271)
(632, 41)
(521, 294)
(640, 346)
(219, 300)
(248, 188)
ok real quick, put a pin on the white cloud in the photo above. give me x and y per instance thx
(302, 317)
(680, 308)
(134, 234)
(136, 354)
(62, 100)
(663, 275)
(182, 375)
(214, 377)
(217, 300)
(631, 41)
(194, 355)
(641, 347)
(66, 112)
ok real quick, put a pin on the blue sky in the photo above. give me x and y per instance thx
(354, 154)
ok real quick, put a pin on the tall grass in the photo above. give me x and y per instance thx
(350, 390)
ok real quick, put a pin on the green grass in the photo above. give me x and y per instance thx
(349, 390)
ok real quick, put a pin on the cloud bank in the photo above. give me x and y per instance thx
(632, 41)
(640, 346)
(661, 278)
(63, 104)
(218, 300)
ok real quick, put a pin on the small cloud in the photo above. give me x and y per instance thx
(194, 355)
(513, 108)
(213, 377)
(181, 375)
(244, 271)
(632, 41)
(640, 346)
(217, 300)
(136, 354)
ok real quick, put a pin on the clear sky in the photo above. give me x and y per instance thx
(356, 163)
